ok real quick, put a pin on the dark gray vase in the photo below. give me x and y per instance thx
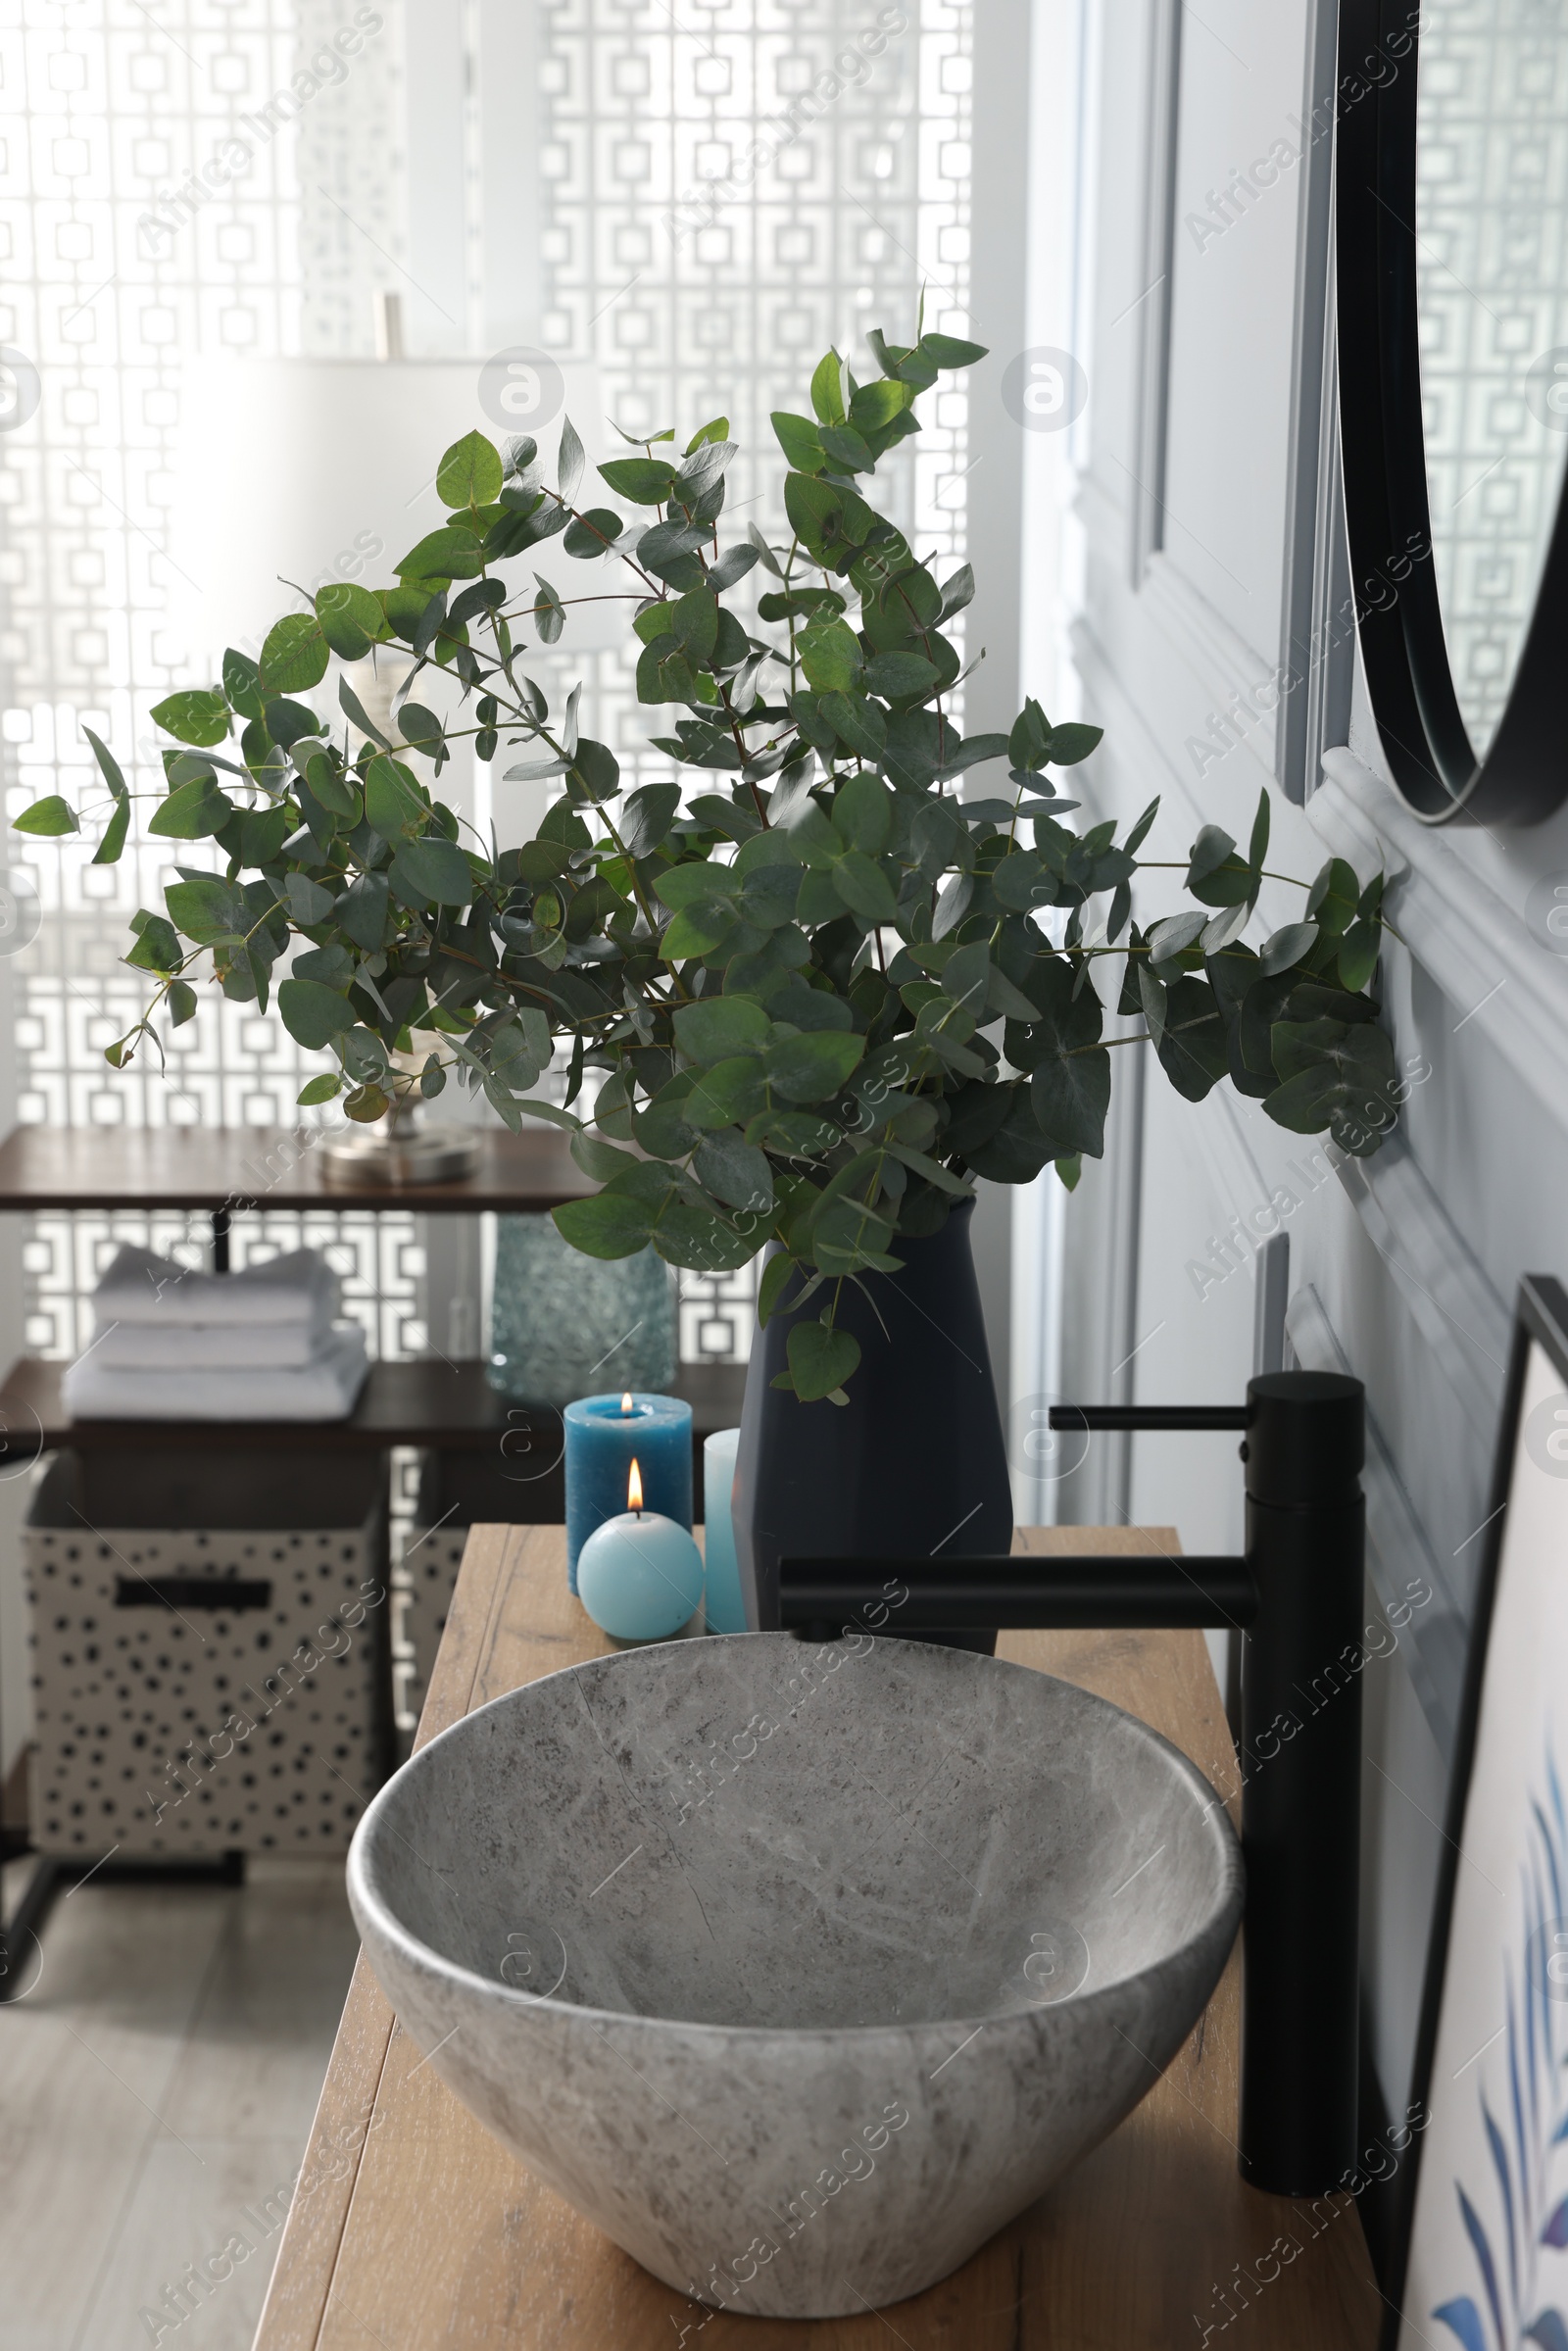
(914, 1465)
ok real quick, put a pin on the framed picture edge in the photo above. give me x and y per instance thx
(1541, 1318)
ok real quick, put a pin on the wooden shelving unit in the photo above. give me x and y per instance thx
(232, 1171)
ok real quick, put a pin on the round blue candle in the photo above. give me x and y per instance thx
(640, 1575)
(726, 1609)
(605, 1435)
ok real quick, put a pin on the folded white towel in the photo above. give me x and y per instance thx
(325, 1389)
(142, 1288)
(211, 1347)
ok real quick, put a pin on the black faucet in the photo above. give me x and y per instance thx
(1295, 1595)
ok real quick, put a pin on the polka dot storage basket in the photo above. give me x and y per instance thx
(210, 1651)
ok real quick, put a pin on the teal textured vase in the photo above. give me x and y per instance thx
(563, 1325)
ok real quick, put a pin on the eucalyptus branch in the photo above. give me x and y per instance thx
(795, 1097)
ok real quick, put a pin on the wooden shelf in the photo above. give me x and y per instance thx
(447, 1405)
(241, 1169)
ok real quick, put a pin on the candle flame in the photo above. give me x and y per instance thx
(626, 1403)
(634, 1487)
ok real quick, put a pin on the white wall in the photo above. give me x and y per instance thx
(1201, 500)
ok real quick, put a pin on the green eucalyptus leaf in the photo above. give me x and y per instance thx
(773, 1283)
(648, 816)
(394, 805)
(828, 389)
(549, 613)
(1140, 832)
(729, 1094)
(207, 911)
(864, 889)
(595, 771)
(1358, 954)
(830, 656)
(108, 765)
(352, 619)
(432, 872)
(294, 657)
(1071, 1088)
(604, 1161)
(862, 812)
(51, 815)
(845, 449)
(831, 523)
(1192, 1045)
(1070, 1095)
(452, 552)
(694, 623)
(157, 947)
(110, 848)
(1333, 900)
(859, 724)
(645, 480)
(570, 462)
(735, 1173)
(896, 676)
(612, 1224)
(1287, 946)
(732, 565)
(192, 810)
(592, 534)
(313, 1015)
(705, 1244)
(332, 789)
(361, 910)
(1335, 1074)
(470, 473)
(848, 1235)
(765, 553)
(195, 718)
(241, 684)
(1071, 743)
(810, 1066)
(715, 1027)
(306, 902)
(820, 1360)
(948, 351)
(697, 882)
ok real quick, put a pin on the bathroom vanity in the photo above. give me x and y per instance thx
(411, 2225)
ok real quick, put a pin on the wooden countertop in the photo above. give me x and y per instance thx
(412, 2228)
(253, 1167)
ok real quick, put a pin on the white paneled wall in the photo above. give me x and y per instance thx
(1204, 490)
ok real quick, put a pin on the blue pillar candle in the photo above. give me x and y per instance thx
(605, 1435)
(727, 1608)
(640, 1575)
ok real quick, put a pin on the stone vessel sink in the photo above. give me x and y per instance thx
(799, 1970)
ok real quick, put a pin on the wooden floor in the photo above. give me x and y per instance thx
(157, 2084)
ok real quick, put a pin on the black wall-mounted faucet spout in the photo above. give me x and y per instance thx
(1295, 1595)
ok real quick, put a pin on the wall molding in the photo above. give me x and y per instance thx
(1432, 1266)
(1458, 928)
(1103, 679)
(1313, 492)
(1432, 1644)
(1152, 382)
(1224, 663)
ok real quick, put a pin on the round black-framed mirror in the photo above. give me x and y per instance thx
(1452, 259)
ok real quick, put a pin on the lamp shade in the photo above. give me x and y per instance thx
(294, 472)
